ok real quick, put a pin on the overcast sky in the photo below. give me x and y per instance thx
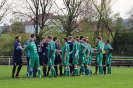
(121, 6)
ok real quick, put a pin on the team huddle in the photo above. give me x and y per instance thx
(76, 51)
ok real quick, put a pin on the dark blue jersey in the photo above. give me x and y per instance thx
(58, 47)
(40, 51)
(17, 51)
(45, 47)
(70, 45)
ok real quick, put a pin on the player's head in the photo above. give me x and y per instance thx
(49, 38)
(33, 36)
(88, 42)
(58, 42)
(18, 38)
(65, 40)
(84, 40)
(107, 41)
(81, 37)
(70, 38)
(43, 39)
(99, 38)
(55, 39)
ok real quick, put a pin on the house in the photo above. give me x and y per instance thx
(29, 25)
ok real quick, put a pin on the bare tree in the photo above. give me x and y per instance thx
(69, 15)
(38, 11)
(104, 12)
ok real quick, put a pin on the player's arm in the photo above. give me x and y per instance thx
(111, 49)
(51, 51)
(66, 53)
(85, 48)
(77, 51)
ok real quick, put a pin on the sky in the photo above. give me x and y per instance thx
(121, 6)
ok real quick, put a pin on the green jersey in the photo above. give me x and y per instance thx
(108, 47)
(99, 47)
(31, 47)
(90, 49)
(75, 48)
(65, 48)
(51, 47)
(82, 47)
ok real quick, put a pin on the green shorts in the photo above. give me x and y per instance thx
(51, 61)
(82, 58)
(99, 58)
(75, 61)
(34, 62)
(65, 62)
(108, 59)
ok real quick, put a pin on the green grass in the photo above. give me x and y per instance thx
(121, 78)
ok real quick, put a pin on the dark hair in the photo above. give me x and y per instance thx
(108, 41)
(49, 37)
(42, 38)
(32, 35)
(55, 38)
(81, 37)
(84, 39)
(65, 39)
(17, 37)
(99, 37)
(70, 37)
(88, 41)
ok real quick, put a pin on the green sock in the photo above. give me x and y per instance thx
(90, 71)
(30, 73)
(52, 72)
(39, 72)
(75, 72)
(65, 72)
(109, 70)
(68, 71)
(82, 68)
(100, 70)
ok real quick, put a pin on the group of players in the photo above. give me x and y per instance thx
(76, 51)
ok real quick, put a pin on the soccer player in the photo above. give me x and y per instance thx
(34, 57)
(51, 56)
(104, 58)
(33, 37)
(70, 43)
(75, 54)
(45, 59)
(40, 50)
(56, 62)
(109, 50)
(99, 55)
(59, 57)
(65, 57)
(82, 55)
(89, 58)
(17, 60)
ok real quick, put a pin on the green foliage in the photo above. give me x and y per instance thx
(17, 27)
(120, 78)
(7, 43)
(122, 43)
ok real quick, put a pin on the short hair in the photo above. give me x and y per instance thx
(17, 37)
(99, 37)
(81, 37)
(55, 38)
(84, 39)
(70, 37)
(32, 35)
(42, 38)
(49, 37)
(108, 41)
(65, 39)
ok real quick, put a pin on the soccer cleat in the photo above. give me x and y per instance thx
(18, 77)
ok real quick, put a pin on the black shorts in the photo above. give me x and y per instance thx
(71, 59)
(104, 59)
(40, 60)
(17, 61)
(44, 60)
(28, 58)
(57, 59)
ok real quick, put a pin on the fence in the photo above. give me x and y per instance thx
(121, 61)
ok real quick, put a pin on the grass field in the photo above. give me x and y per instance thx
(121, 78)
